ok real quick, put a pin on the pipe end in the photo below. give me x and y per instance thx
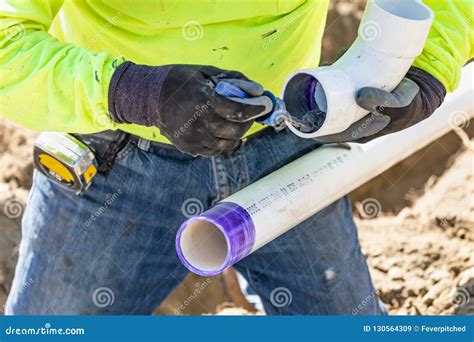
(216, 239)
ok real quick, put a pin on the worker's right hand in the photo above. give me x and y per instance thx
(415, 99)
(180, 100)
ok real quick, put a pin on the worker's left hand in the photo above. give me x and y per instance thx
(415, 99)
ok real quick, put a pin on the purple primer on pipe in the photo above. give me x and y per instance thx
(237, 227)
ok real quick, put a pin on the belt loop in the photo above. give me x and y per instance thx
(144, 144)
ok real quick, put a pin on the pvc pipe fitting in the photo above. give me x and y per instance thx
(391, 35)
(247, 220)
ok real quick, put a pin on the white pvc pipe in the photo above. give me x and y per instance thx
(254, 216)
(391, 35)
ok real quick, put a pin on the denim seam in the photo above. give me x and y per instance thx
(125, 152)
(244, 170)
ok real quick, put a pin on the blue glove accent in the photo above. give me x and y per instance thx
(272, 119)
(229, 90)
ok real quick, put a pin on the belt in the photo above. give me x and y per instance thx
(105, 145)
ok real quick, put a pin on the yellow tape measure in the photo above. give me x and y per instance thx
(65, 160)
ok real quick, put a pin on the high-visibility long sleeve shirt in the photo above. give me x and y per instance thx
(57, 56)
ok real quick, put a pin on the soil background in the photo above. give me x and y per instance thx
(419, 245)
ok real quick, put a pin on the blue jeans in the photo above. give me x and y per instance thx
(112, 251)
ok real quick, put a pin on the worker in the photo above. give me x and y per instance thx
(135, 80)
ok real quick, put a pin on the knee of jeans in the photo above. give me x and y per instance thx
(334, 225)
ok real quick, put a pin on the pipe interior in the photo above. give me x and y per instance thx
(408, 9)
(305, 102)
(320, 97)
(204, 245)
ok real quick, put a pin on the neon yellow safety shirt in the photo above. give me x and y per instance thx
(57, 57)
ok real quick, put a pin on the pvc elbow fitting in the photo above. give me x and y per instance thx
(391, 35)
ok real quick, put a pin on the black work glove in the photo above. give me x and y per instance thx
(417, 96)
(180, 100)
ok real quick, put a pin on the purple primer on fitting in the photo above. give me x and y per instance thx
(309, 94)
(237, 227)
(314, 117)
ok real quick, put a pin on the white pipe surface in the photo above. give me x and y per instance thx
(391, 35)
(254, 216)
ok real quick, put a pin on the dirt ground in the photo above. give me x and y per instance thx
(420, 245)
(422, 260)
